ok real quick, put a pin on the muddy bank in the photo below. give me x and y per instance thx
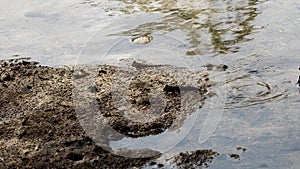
(65, 117)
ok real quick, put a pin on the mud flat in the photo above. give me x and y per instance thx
(65, 117)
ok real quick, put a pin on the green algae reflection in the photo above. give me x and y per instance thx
(210, 26)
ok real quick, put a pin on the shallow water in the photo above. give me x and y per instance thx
(257, 101)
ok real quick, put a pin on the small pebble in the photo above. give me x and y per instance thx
(235, 156)
(142, 39)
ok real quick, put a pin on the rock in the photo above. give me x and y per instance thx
(142, 39)
(194, 159)
(241, 148)
(234, 156)
(41, 120)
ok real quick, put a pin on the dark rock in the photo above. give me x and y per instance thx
(152, 163)
(194, 159)
(234, 156)
(172, 89)
(160, 165)
(74, 157)
(241, 148)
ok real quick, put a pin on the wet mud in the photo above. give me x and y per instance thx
(48, 121)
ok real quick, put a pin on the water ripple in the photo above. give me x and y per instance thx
(249, 90)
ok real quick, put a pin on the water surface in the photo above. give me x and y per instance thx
(257, 40)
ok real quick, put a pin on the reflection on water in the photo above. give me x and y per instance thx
(210, 26)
